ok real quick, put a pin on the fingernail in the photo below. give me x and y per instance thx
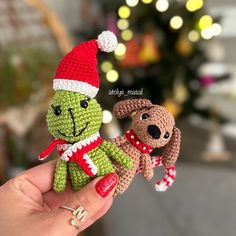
(106, 184)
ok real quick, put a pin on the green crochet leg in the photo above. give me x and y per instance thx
(78, 177)
(60, 176)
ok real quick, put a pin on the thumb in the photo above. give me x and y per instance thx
(93, 202)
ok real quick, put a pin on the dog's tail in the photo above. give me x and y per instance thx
(169, 178)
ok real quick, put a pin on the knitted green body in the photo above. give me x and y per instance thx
(100, 157)
(74, 117)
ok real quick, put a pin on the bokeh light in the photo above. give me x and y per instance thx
(193, 36)
(106, 117)
(216, 29)
(126, 35)
(132, 3)
(207, 33)
(205, 22)
(162, 5)
(147, 1)
(120, 50)
(122, 24)
(112, 76)
(176, 22)
(124, 12)
(194, 5)
(106, 66)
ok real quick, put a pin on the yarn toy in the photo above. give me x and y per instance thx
(152, 127)
(74, 118)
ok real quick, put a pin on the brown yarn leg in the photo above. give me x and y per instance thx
(146, 166)
(125, 176)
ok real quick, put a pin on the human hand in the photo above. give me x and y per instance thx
(30, 207)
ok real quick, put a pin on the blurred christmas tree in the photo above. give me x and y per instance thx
(32, 40)
(160, 51)
(23, 73)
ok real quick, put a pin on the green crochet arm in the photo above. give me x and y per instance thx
(60, 176)
(117, 154)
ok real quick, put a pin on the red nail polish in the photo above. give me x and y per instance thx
(106, 184)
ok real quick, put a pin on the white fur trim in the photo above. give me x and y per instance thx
(64, 158)
(75, 86)
(63, 147)
(107, 41)
(92, 167)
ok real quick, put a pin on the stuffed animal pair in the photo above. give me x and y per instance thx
(75, 117)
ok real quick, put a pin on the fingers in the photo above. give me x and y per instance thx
(54, 200)
(98, 215)
(41, 176)
(95, 198)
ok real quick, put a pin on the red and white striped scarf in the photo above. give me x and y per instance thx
(77, 152)
(136, 142)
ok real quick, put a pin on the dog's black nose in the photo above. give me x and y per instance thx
(154, 131)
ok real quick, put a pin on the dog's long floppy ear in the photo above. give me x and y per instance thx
(171, 150)
(125, 108)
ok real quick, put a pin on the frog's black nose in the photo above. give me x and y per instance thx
(154, 131)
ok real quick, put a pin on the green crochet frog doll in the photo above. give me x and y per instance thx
(74, 118)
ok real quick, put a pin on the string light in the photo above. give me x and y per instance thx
(106, 66)
(194, 5)
(176, 22)
(123, 24)
(120, 50)
(106, 117)
(162, 5)
(193, 36)
(127, 35)
(119, 58)
(132, 3)
(147, 1)
(124, 12)
(112, 76)
(205, 22)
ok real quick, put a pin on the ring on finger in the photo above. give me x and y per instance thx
(80, 213)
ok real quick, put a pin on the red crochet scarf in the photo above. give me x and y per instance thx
(136, 142)
(76, 152)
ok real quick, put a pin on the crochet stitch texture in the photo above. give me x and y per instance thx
(74, 118)
(67, 125)
(152, 126)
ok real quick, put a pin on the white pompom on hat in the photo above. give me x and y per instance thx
(107, 41)
(77, 71)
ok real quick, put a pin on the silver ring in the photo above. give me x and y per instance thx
(80, 213)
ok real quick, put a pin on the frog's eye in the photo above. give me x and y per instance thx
(84, 103)
(56, 110)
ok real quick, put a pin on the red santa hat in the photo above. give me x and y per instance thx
(77, 71)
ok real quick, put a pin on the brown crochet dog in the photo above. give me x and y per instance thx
(152, 127)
